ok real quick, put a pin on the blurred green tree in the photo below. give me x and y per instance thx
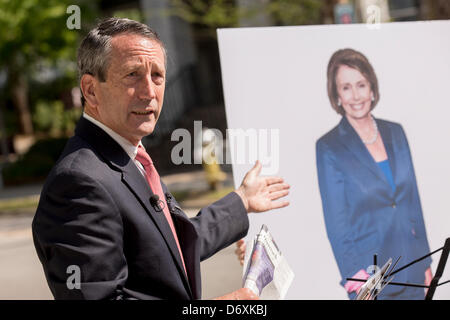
(35, 32)
(296, 12)
(211, 13)
(50, 117)
(225, 13)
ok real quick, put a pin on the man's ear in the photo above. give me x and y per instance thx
(89, 86)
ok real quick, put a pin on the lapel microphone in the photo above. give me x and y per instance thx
(156, 203)
(169, 202)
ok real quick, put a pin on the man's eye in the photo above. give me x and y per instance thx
(132, 74)
(158, 77)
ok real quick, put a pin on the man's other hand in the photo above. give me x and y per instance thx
(241, 294)
(240, 251)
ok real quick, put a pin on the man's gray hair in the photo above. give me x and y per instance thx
(94, 51)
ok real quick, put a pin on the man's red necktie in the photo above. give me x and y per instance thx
(154, 182)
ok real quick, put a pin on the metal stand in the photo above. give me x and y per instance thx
(434, 282)
(375, 263)
(440, 270)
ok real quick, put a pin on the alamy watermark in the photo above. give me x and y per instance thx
(245, 146)
(74, 278)
(74, 20)
(373, 17)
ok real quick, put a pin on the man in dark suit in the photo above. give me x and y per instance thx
(104, 215)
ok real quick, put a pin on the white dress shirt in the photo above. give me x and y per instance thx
(126, 145)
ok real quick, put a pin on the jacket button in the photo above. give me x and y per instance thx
(393, 205)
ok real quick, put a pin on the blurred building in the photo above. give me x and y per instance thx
(405, 10)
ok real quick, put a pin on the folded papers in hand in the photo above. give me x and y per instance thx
(266, 271)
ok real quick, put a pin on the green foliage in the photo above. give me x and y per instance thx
(224, 13)
(34, 37)
(209, 13)
(133, 14)
(50, 117)
(10, 122)
(32, 30)
(295, 12)
(36, 163)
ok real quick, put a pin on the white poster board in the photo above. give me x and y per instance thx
(274, 83)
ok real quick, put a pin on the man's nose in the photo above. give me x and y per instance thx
(147, 88)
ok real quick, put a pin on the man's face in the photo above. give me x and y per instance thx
(131, 98)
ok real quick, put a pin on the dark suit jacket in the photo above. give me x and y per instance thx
(363, 215)
(95, 213)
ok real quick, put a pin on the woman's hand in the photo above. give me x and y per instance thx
(428, 278)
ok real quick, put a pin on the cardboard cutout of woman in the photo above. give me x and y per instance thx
(367, 183)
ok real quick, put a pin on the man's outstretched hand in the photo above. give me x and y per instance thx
(259, 193)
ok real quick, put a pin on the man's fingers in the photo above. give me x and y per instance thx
(240, 250)
(273, 180)
(279, 204)
(240, 244)
(247, 294)
(278, 187)
(256, 170)
(278, 194)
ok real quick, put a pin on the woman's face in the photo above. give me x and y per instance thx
(354, 91)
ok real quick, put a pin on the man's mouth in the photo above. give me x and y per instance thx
(142, 113)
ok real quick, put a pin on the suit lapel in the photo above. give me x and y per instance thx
(387, 137)
(140, 188)
(352, 142)
(187, 236)
(119, 160)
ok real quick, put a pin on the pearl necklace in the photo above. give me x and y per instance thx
(375, 136)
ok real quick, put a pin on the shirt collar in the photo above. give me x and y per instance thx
(126, 145)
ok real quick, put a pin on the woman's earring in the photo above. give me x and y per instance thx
(339, 103)
(373, 98)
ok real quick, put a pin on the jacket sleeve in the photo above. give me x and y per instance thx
(219, 225)
(335, 210)
(78, 235)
